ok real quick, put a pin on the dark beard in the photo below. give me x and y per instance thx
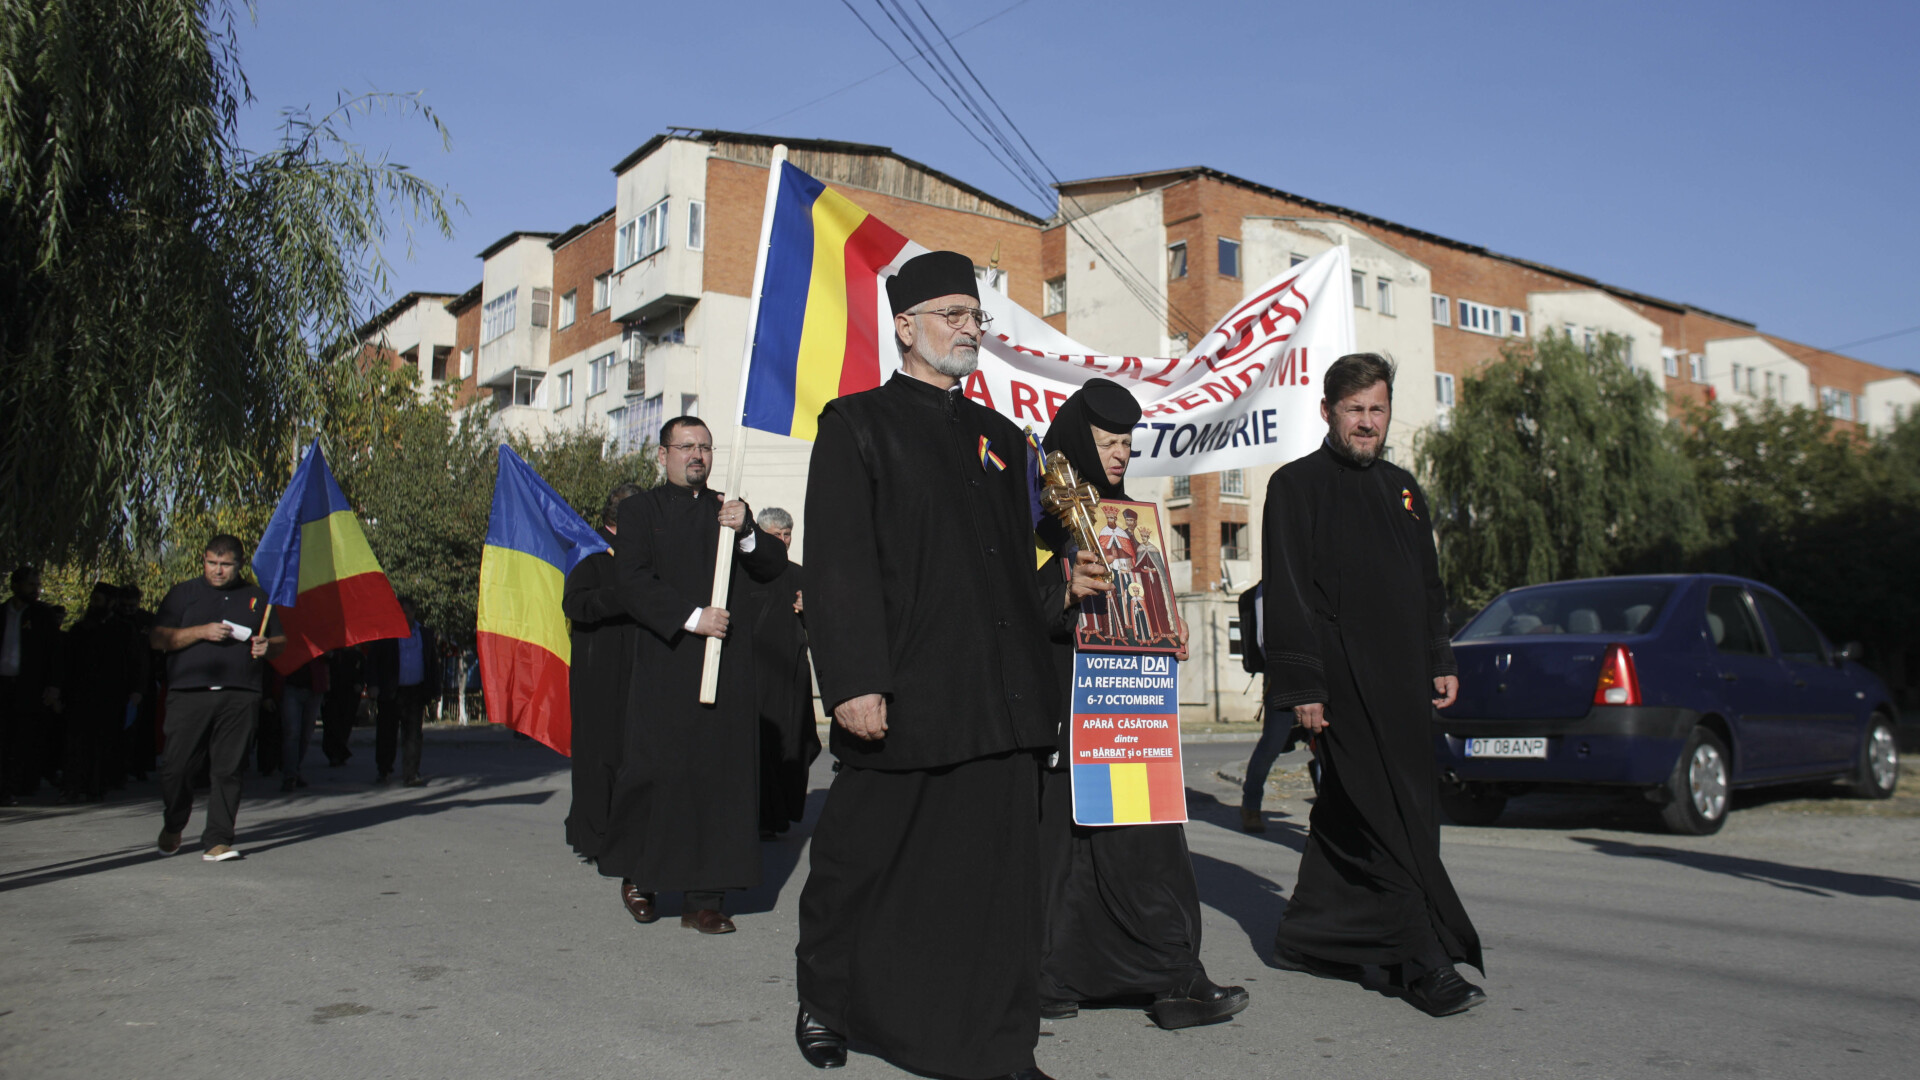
(1347, 450)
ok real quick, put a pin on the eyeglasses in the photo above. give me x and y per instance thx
(957, 316)
(692, 447)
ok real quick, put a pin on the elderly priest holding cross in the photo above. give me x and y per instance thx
(920, 921)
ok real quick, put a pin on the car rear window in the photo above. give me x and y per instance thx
(1577, 607)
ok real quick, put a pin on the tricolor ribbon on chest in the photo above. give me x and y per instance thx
(989, 460)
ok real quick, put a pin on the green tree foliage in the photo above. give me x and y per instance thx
(1556, 464)
(162, 290)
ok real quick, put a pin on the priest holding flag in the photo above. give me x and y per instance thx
(317, 570)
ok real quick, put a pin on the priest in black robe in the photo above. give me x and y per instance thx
(685, 798)
(1122, 906)
(789, 741)
(920, 921)
(604, 641)
(1357, 647)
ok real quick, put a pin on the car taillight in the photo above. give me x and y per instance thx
(1619, 685)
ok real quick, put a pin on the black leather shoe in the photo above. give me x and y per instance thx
(1199, 1002)
(823, 1047)
(1062, 1009)
(1443, 993)
(1027, 1074)
(1290, 960)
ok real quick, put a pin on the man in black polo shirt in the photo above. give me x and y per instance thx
(212, 632)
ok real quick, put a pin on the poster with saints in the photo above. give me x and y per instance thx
(1125, 738)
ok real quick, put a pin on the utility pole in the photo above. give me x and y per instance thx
(1213, 647)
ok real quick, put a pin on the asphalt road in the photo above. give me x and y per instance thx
(448, 932)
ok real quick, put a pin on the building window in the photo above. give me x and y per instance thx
(1295, 259)
(1769, 381)
(1835, 403)
(1482, 319)
(1236, 646)
(563, 390)
(567, 303)
(466, 363)
(1056, 300)
(1182, 543)
(542, 307)
(1229, 257)
(647, 420)
(1233, 482)
(1182, 488)
(601, 293)
(1177, 260)
(1233, 542)
(498, 316)
(696, 226)
(642, 236)
(597, 369)
(1179, 344)
(1359, 289)
(529, 388)
(689, 404)
(1383, 293)
(1670, 358)
(1442, 311)
(1697, 367)
(1443, 390)
(1516, 324)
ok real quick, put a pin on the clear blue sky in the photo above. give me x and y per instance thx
(1757, 159)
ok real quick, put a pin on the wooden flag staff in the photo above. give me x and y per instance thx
(736, 455)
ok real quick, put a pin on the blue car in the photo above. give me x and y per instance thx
(1683, 686)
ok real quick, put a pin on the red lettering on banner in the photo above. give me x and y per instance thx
(1028, 399)
(1128, 362)
(1160, 379)
(1055, 399)
(977, 389)
(1092, 361)
(1190, 400)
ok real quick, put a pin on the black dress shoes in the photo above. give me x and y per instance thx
(1062, 1009)
(1442, 992)
(638, 904)
(1290, 960)
(823, 1047)
(1027, 1074)
(1199, 1002)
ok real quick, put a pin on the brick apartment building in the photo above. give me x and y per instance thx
(638, 315)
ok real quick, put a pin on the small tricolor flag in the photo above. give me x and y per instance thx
(534, 539)
(819, 335)
(314, 564)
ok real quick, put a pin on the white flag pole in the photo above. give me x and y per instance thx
(736, 455)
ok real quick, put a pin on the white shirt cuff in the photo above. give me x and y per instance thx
(747, 541)
(693, 620)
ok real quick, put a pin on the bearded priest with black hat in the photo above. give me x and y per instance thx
(920, 922)
(1123, 909)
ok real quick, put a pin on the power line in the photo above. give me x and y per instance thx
(869, 78)
(1871, 340)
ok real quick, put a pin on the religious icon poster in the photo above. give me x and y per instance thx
(1125, 744)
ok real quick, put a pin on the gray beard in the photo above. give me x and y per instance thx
(952, 365)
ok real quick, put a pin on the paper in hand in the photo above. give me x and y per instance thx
(240, 632)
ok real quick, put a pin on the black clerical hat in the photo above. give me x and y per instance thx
(1109, 406)
(927, 277)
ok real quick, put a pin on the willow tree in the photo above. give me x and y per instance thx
(170, 303)
(1557, 463)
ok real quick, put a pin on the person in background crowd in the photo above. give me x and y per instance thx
(399, 672)
(302, 694)
(31, 669)
(1358, 649)
(217, 631)
(601, 676)
(346, 679)
(789, 741)
(106, 669)
(683, 809)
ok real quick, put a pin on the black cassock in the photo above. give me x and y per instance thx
(605, 639)
(686, 794)
(789, 740)
(920, 920)
(1356, 619)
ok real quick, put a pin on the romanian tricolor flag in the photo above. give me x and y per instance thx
(824, 316)
(315, 566)
(534, 540)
